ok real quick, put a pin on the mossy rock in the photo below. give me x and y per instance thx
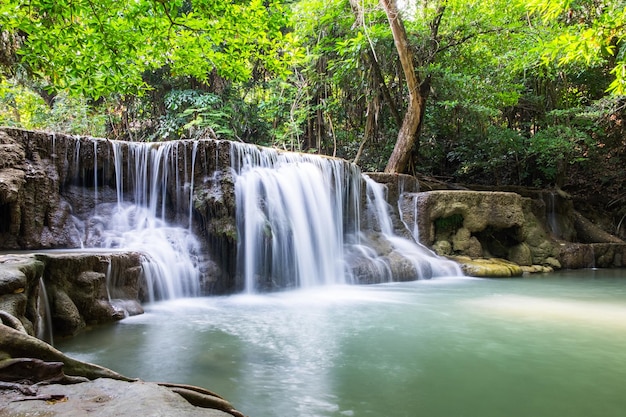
(488, 268)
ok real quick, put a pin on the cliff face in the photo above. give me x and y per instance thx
(33, 213)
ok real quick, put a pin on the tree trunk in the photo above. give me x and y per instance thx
(399, 158)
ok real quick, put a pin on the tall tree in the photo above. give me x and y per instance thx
(417, 89)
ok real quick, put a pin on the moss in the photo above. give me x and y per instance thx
(447, 226)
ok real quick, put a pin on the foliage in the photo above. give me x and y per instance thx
(21, 107)
(587, 32)
(98, 48)
(189, 110)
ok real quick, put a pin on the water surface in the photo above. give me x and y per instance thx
(553, 345)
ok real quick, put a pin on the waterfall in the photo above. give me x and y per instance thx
(302, 220)
(138, 220)
(292, 214)
(551, 214)
(298, 225)
(425, 263)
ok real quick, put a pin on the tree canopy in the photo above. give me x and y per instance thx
(97, 48)
(498, 92)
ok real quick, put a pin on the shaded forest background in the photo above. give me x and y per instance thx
(514, 93)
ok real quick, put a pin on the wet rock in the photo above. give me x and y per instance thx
(77, 288)
(442, 248)
(65, 315)
(480, 224)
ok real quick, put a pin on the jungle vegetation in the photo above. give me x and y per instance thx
(497, 92)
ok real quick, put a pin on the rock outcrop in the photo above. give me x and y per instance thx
(537, 230)
(75, 289)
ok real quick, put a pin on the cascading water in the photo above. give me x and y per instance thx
(425, 262)
(137, 220)
(292, 215)
(298, 225)
(297, 215)
(44, 322)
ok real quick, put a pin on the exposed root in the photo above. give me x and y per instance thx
(203, 400)
(21, 345)
(191, 388)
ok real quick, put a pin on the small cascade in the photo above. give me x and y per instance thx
(95, 172)
(425, 263)
(44, 325)
(298, 225)
(551, 214)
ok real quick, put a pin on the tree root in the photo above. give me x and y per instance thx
(200, 399)
(21, 345)
(23, 389)
(11, 321)
(191, 388)
(37, 362)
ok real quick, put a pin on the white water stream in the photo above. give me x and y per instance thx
(299, 224)
(138, 220)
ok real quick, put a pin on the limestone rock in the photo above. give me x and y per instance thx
(103, 397)
(65, 316)
(488, 268)
(77, 289)
(442, 248)
(521, 254)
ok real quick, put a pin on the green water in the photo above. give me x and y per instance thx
(545, 346)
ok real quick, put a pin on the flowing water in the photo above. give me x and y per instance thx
(138, 220)
(552, 345)
(299, 225)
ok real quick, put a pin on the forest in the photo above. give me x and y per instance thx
(493, 93)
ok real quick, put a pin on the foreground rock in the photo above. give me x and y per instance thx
(102, 398)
